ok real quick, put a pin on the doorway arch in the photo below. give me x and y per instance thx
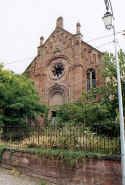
(56, 95)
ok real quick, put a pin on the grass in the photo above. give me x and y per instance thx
(44, 182)
(69, 157)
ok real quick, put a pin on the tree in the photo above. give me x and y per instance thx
(19, 101)
(109, 91)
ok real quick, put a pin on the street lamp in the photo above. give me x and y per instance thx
(109, 24)
(108, 17)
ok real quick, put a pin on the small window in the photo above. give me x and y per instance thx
(94, 58)
(53, 114)
(91, 79)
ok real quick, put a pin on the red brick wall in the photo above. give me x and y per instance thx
(88, 172)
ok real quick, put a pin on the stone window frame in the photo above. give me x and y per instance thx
(91, 78)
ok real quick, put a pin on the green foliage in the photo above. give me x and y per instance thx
(96, 137)
(19, 102)
(69, 112)
(44, 182)
(109, 91)
(81, 112)
(108, 128)
(68, 157)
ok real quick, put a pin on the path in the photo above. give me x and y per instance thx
(6, 178)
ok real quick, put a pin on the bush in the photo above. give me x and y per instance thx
(15, 133)
(106, 128)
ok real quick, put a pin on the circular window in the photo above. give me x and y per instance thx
(58, 70)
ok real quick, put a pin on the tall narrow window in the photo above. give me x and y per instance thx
(91, 79)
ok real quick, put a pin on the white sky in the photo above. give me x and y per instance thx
(24, 21)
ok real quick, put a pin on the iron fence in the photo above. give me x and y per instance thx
(65, 137)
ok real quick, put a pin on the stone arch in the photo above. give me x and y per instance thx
(56, 95)
(59, 57)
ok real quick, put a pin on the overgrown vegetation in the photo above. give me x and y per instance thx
(19, 104)
(92, 115)
(69, 157)
(97, 108)
(68, 137)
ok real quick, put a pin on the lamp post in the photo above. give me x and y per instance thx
(109, 24)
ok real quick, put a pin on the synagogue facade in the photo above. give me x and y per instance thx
(65, 66)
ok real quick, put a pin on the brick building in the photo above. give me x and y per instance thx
(65, 66)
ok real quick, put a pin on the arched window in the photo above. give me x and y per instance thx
(91, 79)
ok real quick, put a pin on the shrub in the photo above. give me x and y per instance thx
(106, 128)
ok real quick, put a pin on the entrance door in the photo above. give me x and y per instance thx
(56, 99)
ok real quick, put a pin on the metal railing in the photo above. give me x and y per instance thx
(66, 137)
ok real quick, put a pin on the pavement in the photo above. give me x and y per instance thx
(11, 177)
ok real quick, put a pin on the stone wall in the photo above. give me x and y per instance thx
(88, 172)
(76, 57)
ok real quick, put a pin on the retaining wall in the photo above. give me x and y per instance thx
(87, 172)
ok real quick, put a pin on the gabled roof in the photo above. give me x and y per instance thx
(63, 30)
(55, 31)
(72, 36)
